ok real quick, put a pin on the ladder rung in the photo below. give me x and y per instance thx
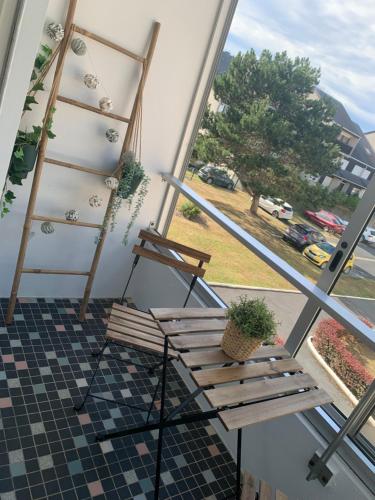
(58, 220)
(112, 45)
(88, 170)
(54, 271)
(83, 105)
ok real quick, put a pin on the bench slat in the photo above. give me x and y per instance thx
(123, 330)
(137, 319)
(133, 341)
(135, 326)
(243, 416)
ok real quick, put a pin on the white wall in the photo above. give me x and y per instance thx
(172, 87)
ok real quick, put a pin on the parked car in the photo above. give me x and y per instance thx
(302, 235)
(216, 175)
(368, 235)
(326, 220)
(320, 253)
(276, 207)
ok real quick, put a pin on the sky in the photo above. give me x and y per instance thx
(338, 36)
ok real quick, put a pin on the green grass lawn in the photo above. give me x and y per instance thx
(232, 262)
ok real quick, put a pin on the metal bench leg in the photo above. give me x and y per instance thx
(100, 354)
(161, 419)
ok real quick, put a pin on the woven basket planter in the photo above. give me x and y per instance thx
(236, 345)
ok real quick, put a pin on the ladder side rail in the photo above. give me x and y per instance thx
(125, 147)
(39, 164)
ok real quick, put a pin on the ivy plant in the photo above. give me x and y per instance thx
(26, 143)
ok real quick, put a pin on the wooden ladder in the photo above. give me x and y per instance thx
(54, 96)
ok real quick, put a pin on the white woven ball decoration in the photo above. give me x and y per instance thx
(47, 228)
(91, 81)
(111, 182)
(72, 215)
(95, 201)
(112, 135)
(78, 46)
(55, 32)
(106, 104)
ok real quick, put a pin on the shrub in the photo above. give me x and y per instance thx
(328, 342)
(190, 211)
(253, 318)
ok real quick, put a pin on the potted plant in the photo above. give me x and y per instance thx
(250, 324)
(132, 188)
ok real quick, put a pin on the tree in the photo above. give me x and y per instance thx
(271, 128)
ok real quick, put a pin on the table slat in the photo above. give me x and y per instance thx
(265, 491)
(164, 314)
(243, 416)
(193, 325)
(196, 341)
(214, 376)
(261, 389)
(206, 358)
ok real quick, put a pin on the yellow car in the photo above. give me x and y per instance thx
(320, 253)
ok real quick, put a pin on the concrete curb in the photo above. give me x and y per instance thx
(332, 374)
(283, 290)
(247, 287)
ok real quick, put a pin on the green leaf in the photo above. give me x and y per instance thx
(9, 197)
(46, 49)
(18, 153)
(37, 130)
(38, 86)
(50, 134)
(29, 100)
(34, 76)
(40, 61)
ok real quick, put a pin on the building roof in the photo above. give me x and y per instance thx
(352, 178)
(341, 115)
(363, 151)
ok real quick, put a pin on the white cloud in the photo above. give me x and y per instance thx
(337, 35)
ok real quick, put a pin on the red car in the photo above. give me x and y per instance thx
(326, 220)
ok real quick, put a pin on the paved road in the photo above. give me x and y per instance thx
(288, 306)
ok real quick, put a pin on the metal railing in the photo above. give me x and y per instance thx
(318, 299)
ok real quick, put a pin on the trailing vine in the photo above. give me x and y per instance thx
(132, 188)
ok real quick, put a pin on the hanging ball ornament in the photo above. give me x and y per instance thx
(112, 135)
(72, 215)
(47, 228)
(111, 182)
(91, 81)
(95, 201)
(78, 46)
(55, 32)
(106, 104)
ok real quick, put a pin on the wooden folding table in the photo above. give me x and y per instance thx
(268, 385)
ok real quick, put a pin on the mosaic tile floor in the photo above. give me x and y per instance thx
(48, 451)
